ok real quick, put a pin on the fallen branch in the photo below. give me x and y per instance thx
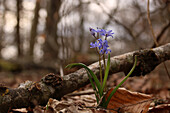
(53, 86)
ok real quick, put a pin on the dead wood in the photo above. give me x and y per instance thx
(53, 86)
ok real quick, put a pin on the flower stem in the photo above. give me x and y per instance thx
(104, 63)
(101, 78)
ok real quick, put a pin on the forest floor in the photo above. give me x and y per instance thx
(156, 83)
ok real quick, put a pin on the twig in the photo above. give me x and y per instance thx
(117, 21)
(161, 33)
(153, 34)
(81, 93)
(150, 24)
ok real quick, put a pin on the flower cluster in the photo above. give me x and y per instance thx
(102, 45)
(102, 32)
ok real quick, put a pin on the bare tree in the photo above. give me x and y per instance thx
(34, 28)
(1, 29)
(18, 38)
(51, 45)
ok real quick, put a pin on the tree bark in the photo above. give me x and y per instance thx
(18, 38)
(34, 29)
(51, 46)
(53, 86)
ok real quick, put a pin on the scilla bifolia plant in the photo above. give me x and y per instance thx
(102, 50)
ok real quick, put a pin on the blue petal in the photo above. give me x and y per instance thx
(108, 50)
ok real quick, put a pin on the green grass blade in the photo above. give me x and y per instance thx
(106, 73)
(111, 94)
(94, 87)
(91, 73)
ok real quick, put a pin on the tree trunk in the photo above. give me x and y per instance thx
(34, 29)
(53, 86)
(18, 39)
(51, 46)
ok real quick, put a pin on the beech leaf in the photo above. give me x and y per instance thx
(126, 101)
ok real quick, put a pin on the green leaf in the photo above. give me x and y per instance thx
(106, 73)
(94, 87)
(111, 94)
(91, 73)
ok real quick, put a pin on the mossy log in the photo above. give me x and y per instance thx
(53, 86)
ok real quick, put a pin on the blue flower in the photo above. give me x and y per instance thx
(102, 46)
(102, 32)
(93, 31)
(106, 33)
(93, 45)
(100, 43)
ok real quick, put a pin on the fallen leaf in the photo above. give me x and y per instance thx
(67, 106)
(164, 108)
(125, 100)
(58, 105)
(94, 110)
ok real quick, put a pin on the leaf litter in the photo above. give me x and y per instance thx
(154, 83)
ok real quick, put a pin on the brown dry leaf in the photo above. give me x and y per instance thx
(125, 100)
(164, 108)
(94, 110)
(67, 106)
(58, 105)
